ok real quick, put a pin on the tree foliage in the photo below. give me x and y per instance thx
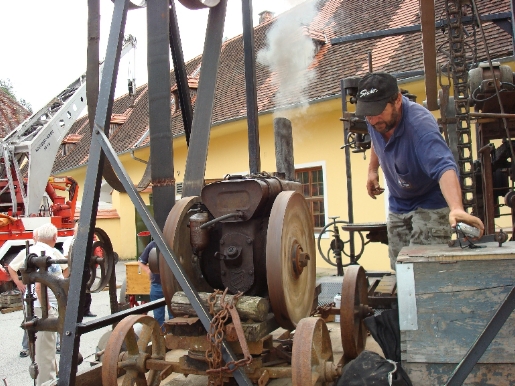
(7, 87)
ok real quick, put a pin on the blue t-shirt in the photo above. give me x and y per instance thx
(154, 277)
(413, 160)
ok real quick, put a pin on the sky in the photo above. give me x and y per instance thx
(43, 43)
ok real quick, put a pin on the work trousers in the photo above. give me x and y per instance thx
(156, 292)
(420, 226)
(45, 351)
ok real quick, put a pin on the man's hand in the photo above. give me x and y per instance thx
(14, 275)
(373, 187)
(459, 215)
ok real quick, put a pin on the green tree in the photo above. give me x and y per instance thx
(7, 87)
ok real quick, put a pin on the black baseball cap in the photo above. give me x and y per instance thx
(374, 91)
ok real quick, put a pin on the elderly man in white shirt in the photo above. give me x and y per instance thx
(45, 340)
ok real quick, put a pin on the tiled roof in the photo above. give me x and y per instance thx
(12, 114)
(334, 18)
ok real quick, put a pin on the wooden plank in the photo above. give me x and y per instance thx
(386, 286)
(138, 282)
(454, 304)
(444, 253)
(437, 374)
(12, 309)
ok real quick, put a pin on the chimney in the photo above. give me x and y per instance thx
(265, 16)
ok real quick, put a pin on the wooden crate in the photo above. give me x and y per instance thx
(138, 281)
(446, 298)
(10, 299)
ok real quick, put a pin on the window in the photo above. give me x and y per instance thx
(312, 180)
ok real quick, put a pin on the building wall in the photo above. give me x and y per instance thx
(317, 140)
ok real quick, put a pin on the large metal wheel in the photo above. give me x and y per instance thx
(290, 259)
(102, 261)
(312, 354)
(354, 308)
(177, 235)
(133, 360)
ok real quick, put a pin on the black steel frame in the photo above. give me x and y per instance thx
(194, 175)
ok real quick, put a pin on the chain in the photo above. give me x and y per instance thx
(216, 336)
(459, 70)
(323, 310)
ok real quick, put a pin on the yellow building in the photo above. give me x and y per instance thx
(311, 100)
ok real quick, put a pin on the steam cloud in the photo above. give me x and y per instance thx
(289, 53)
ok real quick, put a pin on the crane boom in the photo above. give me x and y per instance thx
(34, 144)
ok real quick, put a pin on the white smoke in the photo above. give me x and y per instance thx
(289, 52)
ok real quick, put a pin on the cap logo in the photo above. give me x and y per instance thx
(364, 93)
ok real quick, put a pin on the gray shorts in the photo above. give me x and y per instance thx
(421, 226)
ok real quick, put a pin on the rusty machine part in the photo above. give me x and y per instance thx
(354, 308)
(312, 355)
(102, 261)
(249, 234)
(136, 361)
(290, 259)
(177, 235)
(492, 95)
(338, 246)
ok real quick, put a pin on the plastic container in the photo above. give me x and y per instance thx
(337, 304)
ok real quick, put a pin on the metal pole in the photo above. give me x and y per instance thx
(161, 142)
(348, 173)
(250, 87)
(199, 141)
(70, 339)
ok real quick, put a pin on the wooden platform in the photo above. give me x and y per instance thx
(93, 376)
(446, 298)
(201, 380)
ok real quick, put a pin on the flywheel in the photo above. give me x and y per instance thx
(290, 259)
(354, 308)
(134, 334)
(312, 354)
(177, 235)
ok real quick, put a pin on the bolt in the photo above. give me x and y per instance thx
(68, 333)
(303, 259)
(249, 241)
(222, 242)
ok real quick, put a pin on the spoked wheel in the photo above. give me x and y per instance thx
(290, 259)
(177, 235)
(354, 308)
(312, 354)
(133, 361)
(102, 262)
(337, 244)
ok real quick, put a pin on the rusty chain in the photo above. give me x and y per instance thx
(323, 310)
(216, 336)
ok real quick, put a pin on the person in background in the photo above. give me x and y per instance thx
(424, 200)
(66, 252)
(156, 291)
(46, 237)
(21, 287)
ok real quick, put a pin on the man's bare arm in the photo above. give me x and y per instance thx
(451, 190)
(17, 281)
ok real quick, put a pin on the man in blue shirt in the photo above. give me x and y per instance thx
(156, 291)
(421, 174)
